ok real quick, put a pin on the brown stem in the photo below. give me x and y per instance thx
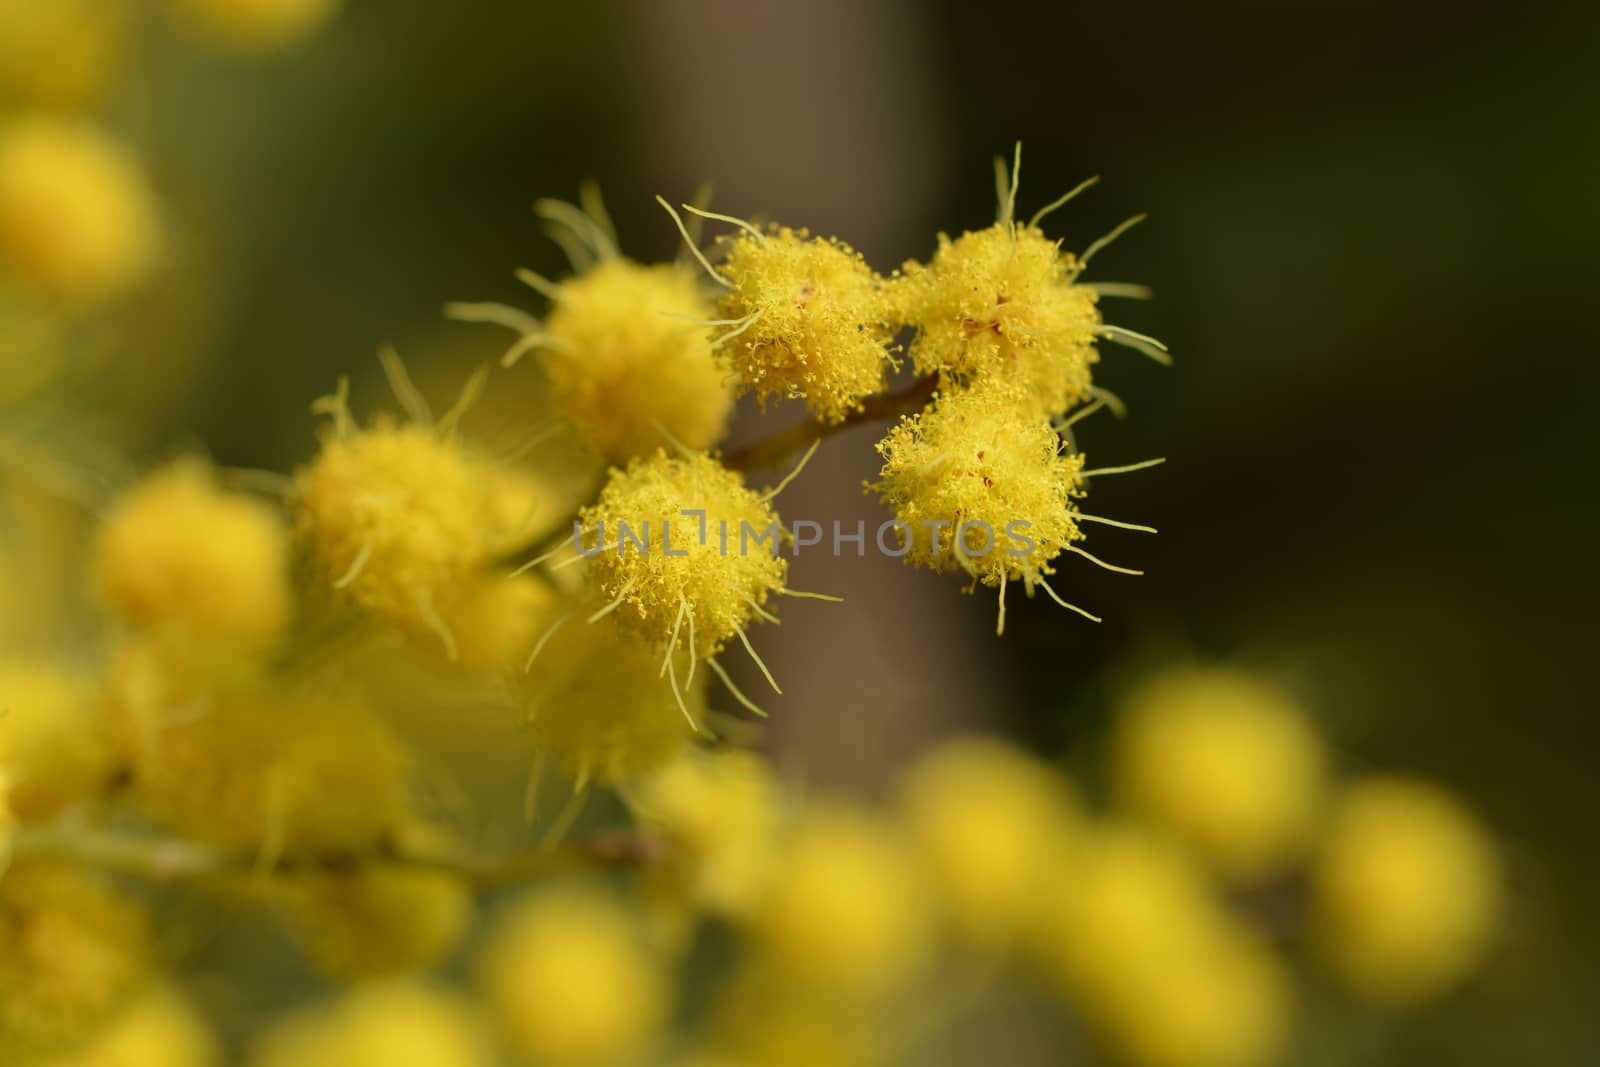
(160, 859)
(771, 451)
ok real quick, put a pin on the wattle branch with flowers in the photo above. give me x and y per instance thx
(238, 734)
(397, 529)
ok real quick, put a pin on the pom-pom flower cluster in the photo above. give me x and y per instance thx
(980, 472)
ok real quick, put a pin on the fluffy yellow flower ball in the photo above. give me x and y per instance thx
(54, 747)
(259, 23)
(78, 219)
(721, 812)
(807, 319)
(227, 756)
(176, 553)
(159, 1029)
(1000, 305)
(626, 361)
(986, 818)
(1225, 760)
(58, 55)
(846, 911)
(570, 981)
(979, 485)
(72, 953)
(399, 1024)
(1407, 890)
(399, 520)
(697, 578)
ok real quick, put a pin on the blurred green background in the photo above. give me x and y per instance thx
(1370, 240)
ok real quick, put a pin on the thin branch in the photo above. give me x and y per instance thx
(773, 451)
(166, 859)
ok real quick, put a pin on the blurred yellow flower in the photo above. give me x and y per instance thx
(595, 699)
(159, 1029)
(846, 912)
(764, 1020)
(988, 819)
(1225, 760)
(221, 753)
(1141, 944)
(58, 55)
(721, 813)
(399, 1024)
(179, 555)
(400, 519)
(1407, 889)
(1125, 903)
(259, 23)
(55, 749)
(495, 622)
(570, 981)
(78, 220)
(72, 953)
(1229, 1007)
(378, 921)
